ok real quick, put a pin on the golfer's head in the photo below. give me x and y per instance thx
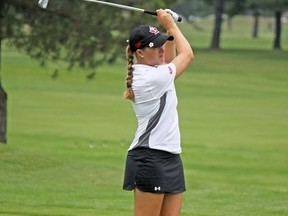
(147, 36)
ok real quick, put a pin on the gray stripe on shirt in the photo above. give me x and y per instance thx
(153, 121)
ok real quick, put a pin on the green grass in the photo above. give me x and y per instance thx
(67, 138)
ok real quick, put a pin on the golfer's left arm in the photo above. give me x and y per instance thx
(170, 51)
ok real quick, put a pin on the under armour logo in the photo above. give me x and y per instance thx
(157, 188)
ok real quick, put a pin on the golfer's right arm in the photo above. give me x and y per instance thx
(184, 51)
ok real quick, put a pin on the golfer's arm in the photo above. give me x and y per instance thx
(184, 51)
(170, 51)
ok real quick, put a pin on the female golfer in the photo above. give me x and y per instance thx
(154, 168)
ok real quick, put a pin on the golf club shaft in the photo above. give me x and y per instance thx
(175, 16)
(123, 7)
(43, 4)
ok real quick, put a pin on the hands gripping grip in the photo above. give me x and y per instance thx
(175, 16)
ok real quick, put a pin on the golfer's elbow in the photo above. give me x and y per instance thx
(189, 56)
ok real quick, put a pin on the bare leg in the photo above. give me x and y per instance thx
(172, 204)
(147, 204)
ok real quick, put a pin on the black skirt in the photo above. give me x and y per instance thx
(154, 171)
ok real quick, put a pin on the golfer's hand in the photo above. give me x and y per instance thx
(175, 16)
(165, 19)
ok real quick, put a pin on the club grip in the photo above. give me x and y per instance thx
(176, 17)
(150, 12)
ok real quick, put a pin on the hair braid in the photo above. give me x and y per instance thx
(129, 94)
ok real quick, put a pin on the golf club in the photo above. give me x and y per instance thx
(44, 3)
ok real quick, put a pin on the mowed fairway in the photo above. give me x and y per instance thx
(68, 137)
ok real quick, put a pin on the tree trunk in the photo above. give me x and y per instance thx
(219, 9)
(3, 115)
(256, 24)
(277, 40)
(3, 95)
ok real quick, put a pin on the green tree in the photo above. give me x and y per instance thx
(255, 14)
(189, 8)
(278, 7)
(234, 8)
(79, 33)
(219, 10)
(231, 8)
(215, 7)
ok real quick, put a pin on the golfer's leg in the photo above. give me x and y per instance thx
(147, 204)
(172, 204)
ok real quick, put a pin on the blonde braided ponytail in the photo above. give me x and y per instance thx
(129, 94)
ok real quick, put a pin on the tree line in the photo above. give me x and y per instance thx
(232, 8)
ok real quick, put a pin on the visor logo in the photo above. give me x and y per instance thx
(153, 30)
